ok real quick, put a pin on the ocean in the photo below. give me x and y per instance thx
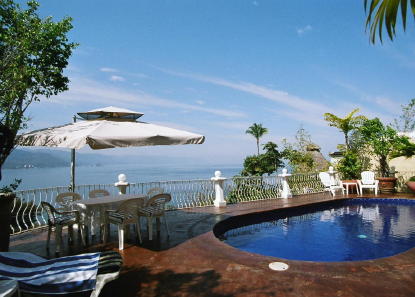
(35, 178)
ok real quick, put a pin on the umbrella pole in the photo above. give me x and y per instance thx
(72, 170)
(73, 165)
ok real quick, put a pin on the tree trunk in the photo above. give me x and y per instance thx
(346, 138)
(257, 145)
(384, 168)
(7, 138)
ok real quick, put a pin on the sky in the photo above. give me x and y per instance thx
(216, 67)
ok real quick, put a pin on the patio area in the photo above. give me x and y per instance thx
(193, 262)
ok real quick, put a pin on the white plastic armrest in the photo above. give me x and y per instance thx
(376, 183)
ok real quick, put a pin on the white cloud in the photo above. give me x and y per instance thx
(283, 98)
(117, 78)
(81, 89)
(301, 31)
(107, 69)
(381, 101)
(233, 125)
(200, 102)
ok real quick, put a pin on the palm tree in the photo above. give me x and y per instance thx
(346, 124)
(383, 13)
(257, 131)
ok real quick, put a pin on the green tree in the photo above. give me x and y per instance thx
(385, 143)
(33, 54)
(346, 124)
(266, 163)
(257, 131)
(299, 159)
(350, 166)
(406, 121)
(383, 14)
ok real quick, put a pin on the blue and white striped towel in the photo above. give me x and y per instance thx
(57, 276)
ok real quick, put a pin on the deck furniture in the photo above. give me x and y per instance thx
(154, 191)
(87, 273)
(126, 214)
(351, 184)
(98, 193)
(329, 184)
(65, 200)
(155, 208)
(368, 181)
(58, 220)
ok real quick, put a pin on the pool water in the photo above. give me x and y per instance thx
(348, 230)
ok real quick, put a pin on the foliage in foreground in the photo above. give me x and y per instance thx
(33, 54)
(383, 14)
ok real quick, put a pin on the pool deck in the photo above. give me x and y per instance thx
(193, 262)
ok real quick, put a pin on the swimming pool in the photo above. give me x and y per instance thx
(345, 230)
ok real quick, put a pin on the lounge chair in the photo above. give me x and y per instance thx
(60, 276)
(368, 181)
(326, 180)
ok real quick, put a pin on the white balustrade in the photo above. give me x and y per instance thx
(122, 184)
(286, 191)
(218, 180)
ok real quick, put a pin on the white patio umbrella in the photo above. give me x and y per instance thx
(104, 128)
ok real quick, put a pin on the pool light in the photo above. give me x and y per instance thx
(278, 266)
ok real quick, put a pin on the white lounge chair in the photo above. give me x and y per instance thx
(368, 181)
(328, 184)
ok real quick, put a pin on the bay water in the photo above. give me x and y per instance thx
(35, 178)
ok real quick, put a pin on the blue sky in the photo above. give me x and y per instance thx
(216, 67)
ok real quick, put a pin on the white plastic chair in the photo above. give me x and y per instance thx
(65, 200)
(368, 181)
(154, 191)
(126, 214)
(326, 180)
(155, 208)
(98, 193)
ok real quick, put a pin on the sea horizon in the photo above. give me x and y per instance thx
(38, 178)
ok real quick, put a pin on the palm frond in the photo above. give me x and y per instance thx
(382, 14)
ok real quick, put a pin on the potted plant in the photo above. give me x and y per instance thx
(385, 143)
(7, 198)
(411, 183)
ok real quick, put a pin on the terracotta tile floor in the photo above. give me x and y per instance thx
(193, 262)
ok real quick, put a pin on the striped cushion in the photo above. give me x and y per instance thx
(57, 276)
(65, 219)
(109, 262)
(151, 211)
(118, 217)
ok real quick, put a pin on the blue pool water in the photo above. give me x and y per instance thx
(348, 230)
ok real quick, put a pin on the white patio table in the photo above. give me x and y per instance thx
(93, 210)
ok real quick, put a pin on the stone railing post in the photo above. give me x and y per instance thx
(219, 196)
(286, 191)
(122, 184)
